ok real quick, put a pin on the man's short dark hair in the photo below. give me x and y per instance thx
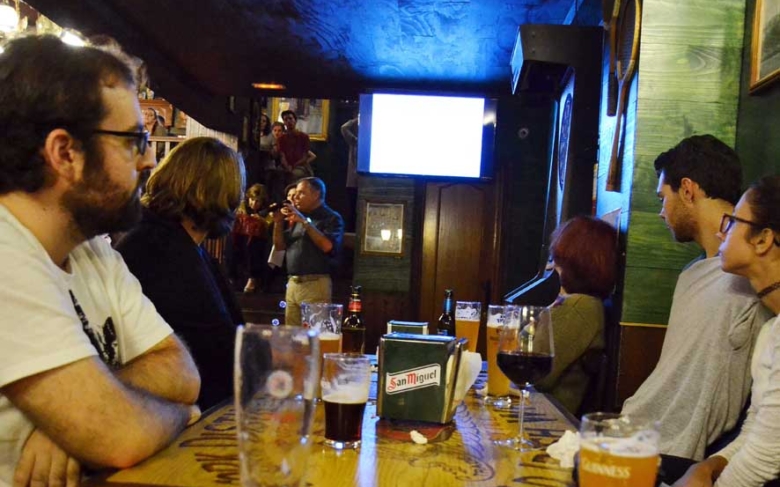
(713, 165)
(289, 112)
(46, 84)
(316, 184)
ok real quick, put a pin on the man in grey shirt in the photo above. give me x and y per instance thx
(313, 243)
(702, 379)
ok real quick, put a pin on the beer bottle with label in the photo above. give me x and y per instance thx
(446, 324)
(353, 331)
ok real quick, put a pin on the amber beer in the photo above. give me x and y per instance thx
(622, 462)
(330, 342)
(628, 457)
(467, 317)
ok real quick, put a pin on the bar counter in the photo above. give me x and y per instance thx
(461, 453)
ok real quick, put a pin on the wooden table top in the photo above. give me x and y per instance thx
(462, 453)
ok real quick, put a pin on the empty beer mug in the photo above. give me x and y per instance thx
(346, 378)
(617, 451)
(276, 369)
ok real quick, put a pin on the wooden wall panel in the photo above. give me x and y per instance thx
(687, 83)
(759, 116)
(643, 347)
(458, 245)
(379, 272)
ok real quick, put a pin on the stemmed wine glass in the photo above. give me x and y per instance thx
(525, 355)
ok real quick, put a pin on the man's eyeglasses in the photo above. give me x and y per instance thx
(141, 138)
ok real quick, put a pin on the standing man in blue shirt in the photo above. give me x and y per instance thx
(312, 242)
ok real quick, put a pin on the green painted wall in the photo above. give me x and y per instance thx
(688, 83)
(758, 143)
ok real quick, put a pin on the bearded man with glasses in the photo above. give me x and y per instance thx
(702, 379)
(89, 371)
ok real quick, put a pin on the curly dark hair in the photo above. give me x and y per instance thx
(707, 161)
(46, 84)
(590, 271)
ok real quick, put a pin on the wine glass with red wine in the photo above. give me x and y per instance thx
(525, 355)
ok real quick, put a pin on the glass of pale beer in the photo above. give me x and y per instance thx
(276, 369)
(498, 384)
(326, 319)
(345, 383)
(617, 451)
(467, 316)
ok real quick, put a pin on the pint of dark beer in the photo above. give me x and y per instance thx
(345, 383)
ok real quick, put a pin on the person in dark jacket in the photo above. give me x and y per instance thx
(191, 195)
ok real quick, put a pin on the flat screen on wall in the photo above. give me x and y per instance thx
(402, 134)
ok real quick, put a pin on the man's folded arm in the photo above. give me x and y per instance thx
(165, 370)
(85, 409)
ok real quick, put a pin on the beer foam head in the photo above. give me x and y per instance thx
(329, 335)
(641, 445)
(346, 394)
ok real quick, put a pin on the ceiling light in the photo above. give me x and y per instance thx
(269, 86)
(72, 39)
(9, 18)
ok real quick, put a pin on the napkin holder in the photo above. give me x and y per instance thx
(417, 377)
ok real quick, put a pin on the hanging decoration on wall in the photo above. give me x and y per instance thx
(629, 23)
(765, 48)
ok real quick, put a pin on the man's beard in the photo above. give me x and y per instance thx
(684, 228)
(99, 205)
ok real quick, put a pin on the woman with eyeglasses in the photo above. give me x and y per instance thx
(751, 248)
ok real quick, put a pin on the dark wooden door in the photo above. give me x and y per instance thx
(459, 249)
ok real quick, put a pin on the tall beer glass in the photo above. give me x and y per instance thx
(345, 383)
(498, 383)
(467, 316)
(326, 319)
(616, 451)
(276, 369)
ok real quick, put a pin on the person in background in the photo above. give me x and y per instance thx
(587, 278)
(192, 195)
(266, 139)
(152, 123)
(312, 246)
(702, 379)
(296, 148)
(751, 248)
(89, 371)
(278, 171)
(251, 238)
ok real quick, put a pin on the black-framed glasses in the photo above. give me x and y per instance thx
(728, 221)
(141, 138)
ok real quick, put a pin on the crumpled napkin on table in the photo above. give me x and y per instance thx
(470, 366)
(565, 448)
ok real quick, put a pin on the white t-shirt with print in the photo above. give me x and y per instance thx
(50, 317)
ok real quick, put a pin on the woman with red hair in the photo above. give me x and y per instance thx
(584, 253)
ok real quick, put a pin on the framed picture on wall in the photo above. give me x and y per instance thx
(383, 229)
(765, 49)
(312, 115)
